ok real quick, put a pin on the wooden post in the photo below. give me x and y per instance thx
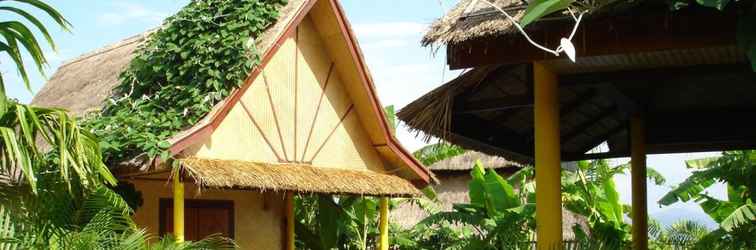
(178, 209)
(638, 176)
(383, 242)
(547, 159)
(290, 221)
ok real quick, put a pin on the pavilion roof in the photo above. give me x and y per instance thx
(690, 108)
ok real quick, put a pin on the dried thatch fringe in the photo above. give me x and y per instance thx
(431, 114)
(301, 178)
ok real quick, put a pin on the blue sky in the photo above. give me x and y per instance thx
(388, 31)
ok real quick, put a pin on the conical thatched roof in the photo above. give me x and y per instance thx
(465, 162)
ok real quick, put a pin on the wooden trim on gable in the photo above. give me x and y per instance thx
(367, 81)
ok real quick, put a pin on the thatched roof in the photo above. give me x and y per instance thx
(85, 83)
(472, 19)
(465, 162)
(300, 178)
(433, 114)
(490, 108)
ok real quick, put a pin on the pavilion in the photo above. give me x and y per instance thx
(647, 80)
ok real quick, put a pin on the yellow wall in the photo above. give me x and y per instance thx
(258, 216)
(284, 102)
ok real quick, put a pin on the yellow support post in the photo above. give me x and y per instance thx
(178, 209)
(638, 177)
(290, 221)
(383, 242)
(547, 159)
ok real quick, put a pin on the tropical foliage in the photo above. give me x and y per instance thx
(54, 190)
(736, 215)
(95, 218)
(436, 152)
(497, 217)
(187, 66)
(680, 235)
(327, 222)
(590, 191)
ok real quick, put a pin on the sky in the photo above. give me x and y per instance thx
(388, 32)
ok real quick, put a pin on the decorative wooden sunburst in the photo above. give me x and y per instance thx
(306, 115)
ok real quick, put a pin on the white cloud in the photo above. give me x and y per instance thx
(389, 29)
(127, 12)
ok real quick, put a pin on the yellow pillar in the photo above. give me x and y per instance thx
(383, 242)
(290, 221)
(638, 176)
(547, 159)
(178, 209)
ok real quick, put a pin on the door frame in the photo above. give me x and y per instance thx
(167, 203)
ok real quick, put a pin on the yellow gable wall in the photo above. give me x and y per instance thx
(286, 116)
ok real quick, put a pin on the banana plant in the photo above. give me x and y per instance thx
(437, 152)
(736, 215)
(496, 213)
(590, 191)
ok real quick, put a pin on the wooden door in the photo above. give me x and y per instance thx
(201, 218)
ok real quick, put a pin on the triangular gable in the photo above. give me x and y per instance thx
(310, 101)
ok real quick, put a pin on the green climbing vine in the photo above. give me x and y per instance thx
(182, 70)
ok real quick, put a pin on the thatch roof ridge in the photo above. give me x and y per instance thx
(466, 161)
(84, 83)
(138, 38)
(472, 19)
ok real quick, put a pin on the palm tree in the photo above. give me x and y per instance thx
(54, 190)
(15, 32)
(25, 129)
(98, 220)
(683, 234)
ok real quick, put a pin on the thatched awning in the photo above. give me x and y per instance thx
(301, 178)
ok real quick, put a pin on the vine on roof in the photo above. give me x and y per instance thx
(182, 70)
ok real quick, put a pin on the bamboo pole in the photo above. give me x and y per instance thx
(547, 159)
(178, 209)
(383, 224)
(290, 221)
(638, 177)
